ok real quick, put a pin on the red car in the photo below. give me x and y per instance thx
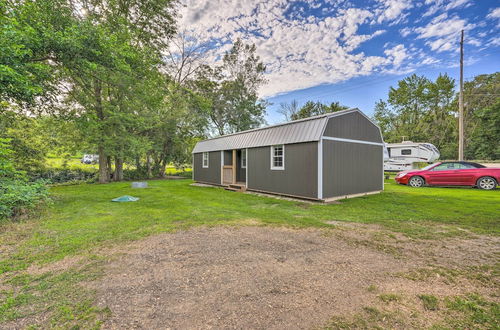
(452, 174)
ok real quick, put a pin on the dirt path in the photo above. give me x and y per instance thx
(239, 278)
(255, 277)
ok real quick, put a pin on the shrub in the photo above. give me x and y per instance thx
(58, 175)
(18, 196)
(16, 193)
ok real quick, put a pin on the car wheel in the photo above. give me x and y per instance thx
(416, 182)
(486, 183)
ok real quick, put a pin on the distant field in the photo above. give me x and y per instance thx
(76, 164)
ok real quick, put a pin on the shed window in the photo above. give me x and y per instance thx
(205, 159)
(244, 158)
(406, 152)
(278, 157)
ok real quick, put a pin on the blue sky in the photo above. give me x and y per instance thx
(349, 50)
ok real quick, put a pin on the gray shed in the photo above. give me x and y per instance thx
(326, 157)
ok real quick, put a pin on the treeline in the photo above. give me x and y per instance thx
(292, 110)
(117, 79)
(423, 110)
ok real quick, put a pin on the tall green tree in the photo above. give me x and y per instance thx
(28, 140)
(30, 41)
(420, 110)
(232, 90)
(96, 54)
(385, 120)
(481, 98)
(485, 143)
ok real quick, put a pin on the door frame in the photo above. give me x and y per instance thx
(233, 167)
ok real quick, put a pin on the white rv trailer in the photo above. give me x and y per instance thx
(404, 156)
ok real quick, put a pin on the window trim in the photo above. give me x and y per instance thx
(278, 168)
(244, 152)
(203, 159)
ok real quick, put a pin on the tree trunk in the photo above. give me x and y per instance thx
(118, 176)
(148, 166)
(110, 169)
(138, 163)
(103, 168)
(163, 168)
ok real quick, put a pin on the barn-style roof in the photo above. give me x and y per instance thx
(297, 131)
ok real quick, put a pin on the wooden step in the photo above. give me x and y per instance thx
(236, 187)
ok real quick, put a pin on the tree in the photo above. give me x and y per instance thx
(439, 121)
(104, 62)
(485, 143)
(288, 110)
(481, 93)
(171, 126)
(28, 140)
(409, 101)
(232, 90)
(317, 108)
(385, 120)
(185, 56)
(28, 40)
(108, 92)
(421, 110)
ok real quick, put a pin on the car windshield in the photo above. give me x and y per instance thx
(427, 167)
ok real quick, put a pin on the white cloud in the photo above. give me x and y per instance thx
(391, 10)
(397, 55)
(494, 41)
(494, 13)
(442, 32)
(298, 52)
(429, 60)
(445, 5)
(405, 32)
(301, 51)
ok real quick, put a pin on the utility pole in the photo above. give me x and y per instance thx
(461, 103)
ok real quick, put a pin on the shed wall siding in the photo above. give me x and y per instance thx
(353, 126)
(240, 171)
(351, 168)
(299, 178)
(210, 174)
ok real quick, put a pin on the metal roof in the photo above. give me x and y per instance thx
(297, 131)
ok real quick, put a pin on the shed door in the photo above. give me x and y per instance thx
(227, 174)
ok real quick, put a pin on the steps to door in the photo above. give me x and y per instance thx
(236, 187)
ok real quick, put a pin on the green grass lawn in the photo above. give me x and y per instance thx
(81, 219)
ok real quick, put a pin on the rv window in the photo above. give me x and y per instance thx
(278, 157)
(244, 158)
(205, 159)
(406, 152)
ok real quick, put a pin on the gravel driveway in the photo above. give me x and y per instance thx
(249, 277)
